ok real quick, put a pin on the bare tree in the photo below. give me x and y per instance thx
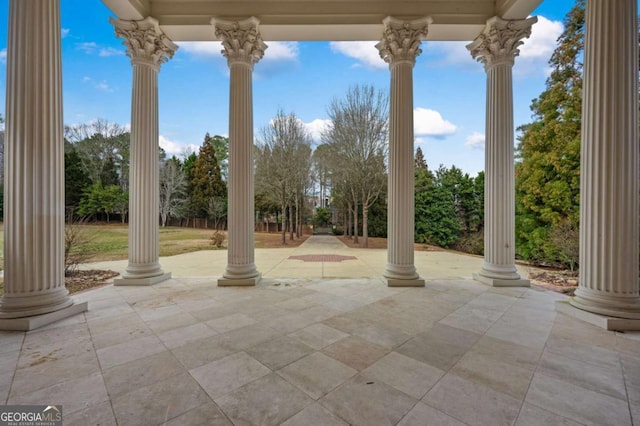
(282, 163)
(358, 136)
(102, 145)
(173, 185)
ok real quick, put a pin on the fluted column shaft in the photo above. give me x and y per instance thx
(609, 162)
(243, 47)
(399, 47)
(497, 47)
(148, 48)
(34, 167)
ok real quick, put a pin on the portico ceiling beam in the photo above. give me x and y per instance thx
(319, 9)
(515, 9)
(132, 10)
(306, 32)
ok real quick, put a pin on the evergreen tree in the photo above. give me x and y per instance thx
(548, 171)
(76, 178)
(420, 162)
(207, 183)
(109, 173)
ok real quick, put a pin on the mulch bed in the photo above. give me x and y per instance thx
(565, 282)
(84, 280)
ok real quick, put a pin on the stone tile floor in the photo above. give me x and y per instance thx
(324, 352)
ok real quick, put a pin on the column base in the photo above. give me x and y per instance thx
(142, 281)
(239, 282)
(37, 321)
(602, 321)
(501, 282)
(394, 282)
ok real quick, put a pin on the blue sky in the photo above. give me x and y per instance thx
(449, 86)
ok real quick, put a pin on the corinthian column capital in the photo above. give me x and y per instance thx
(241, 40)
(500, 40)
(401, 39)
(146, 43)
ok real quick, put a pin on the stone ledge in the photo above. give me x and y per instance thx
(37, 321)
(496, 282)
(141, 281)
(608, 323)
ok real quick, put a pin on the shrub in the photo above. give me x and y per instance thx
(76, 238)
(217, 238)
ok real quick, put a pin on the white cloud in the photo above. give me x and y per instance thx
(110, 51)
(543, 40)
(87, 47)
(281, 51)
(3, 56)
(100, 85)
(276, 51)
(316, 127)
(428, 122)
(450, 53)
(175, 148)
(537, 49)
(65, 32)
(201, 48)
(91, 48)
(103, 86)
(475, 141)
(364, 52)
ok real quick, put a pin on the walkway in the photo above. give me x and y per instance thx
(324, 351)
(276, 263)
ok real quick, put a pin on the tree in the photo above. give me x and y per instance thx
(420, 162)
(76, 178)
(207, 182)
(283, 158)
(221, 147)
(436, 216)
(104, 149)
(358, 136)
(172, 189)
(98, 199)
(189, 209)
(548, 152)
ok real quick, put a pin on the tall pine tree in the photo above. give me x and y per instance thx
(548, 170)
(206, 184)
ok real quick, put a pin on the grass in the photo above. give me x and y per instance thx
(111, 242)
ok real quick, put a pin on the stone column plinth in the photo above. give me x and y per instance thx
(609, 166)
(243, 47)
(34, 290)
(399, 47)
(497, 48)
(148, 48)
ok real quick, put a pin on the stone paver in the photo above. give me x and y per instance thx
(267, 401)
(303, 349)
(221, 377)
(361, 401)
(317, 374)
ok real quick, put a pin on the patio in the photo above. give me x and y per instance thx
(341, 348)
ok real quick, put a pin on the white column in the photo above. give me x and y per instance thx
(243, 47)
(609, 173)
(399, 47)
(34, 291)
(497, 48)
(148, 48)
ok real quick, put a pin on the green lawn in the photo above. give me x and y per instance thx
(111, 242)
